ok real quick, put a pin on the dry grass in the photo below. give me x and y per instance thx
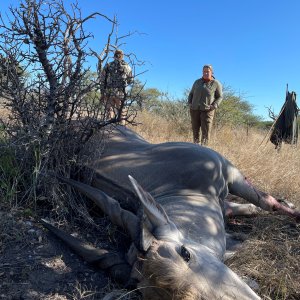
(271, 254)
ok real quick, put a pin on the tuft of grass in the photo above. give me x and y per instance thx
(10, 177)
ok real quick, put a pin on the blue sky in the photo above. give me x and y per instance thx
(252, 44)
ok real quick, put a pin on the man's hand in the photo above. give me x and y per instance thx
(212, 107)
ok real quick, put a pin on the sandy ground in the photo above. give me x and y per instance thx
(35, 265)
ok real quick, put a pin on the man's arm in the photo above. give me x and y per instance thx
(218, 95)
(190, 97)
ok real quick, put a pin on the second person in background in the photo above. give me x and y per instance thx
(204, 98)
(115, 78)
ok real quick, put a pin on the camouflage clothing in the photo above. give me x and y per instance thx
(115, 77)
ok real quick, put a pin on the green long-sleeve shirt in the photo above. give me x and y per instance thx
(203, 94)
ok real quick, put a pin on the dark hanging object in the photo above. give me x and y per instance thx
(286, 127)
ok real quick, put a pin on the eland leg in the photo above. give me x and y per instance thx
(243, 188)
(235, 209)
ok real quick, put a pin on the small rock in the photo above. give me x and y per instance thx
(252, 283)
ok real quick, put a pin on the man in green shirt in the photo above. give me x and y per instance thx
(204, 98)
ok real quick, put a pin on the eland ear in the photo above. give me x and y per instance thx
(146, 237)
(154, 212)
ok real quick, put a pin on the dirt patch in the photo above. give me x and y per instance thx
(35, 265)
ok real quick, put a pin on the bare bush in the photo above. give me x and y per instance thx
(50, 89)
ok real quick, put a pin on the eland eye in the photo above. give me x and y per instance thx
(185, 254)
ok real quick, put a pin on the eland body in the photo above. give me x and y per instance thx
(179, 238)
